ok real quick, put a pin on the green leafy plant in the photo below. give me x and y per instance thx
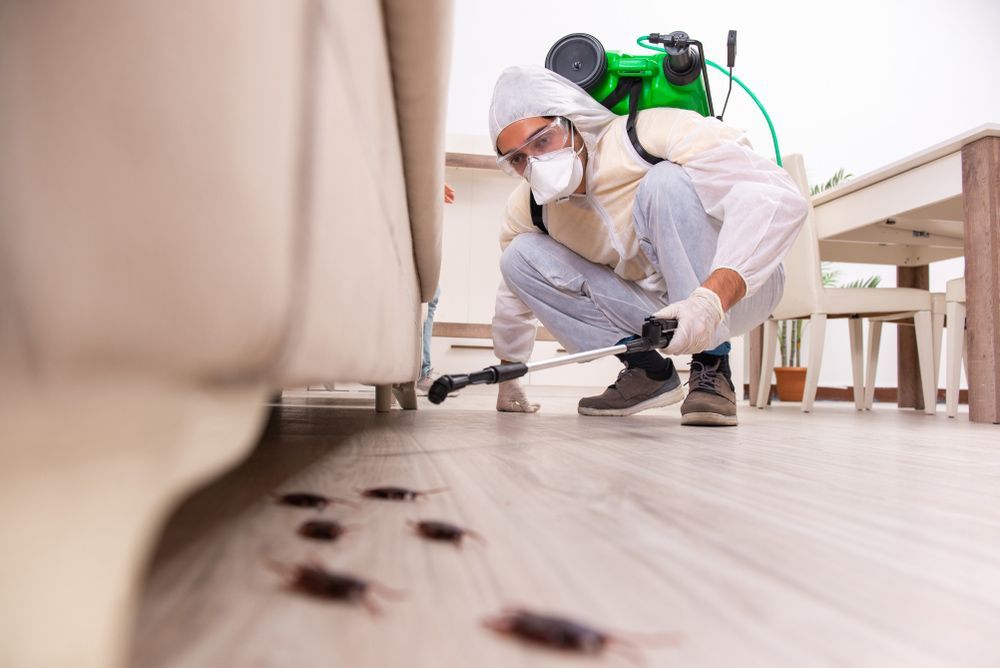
(790, 341)
(833, 181)
(790, 331)
(870, 282)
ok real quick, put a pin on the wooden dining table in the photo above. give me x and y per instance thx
(939, 203)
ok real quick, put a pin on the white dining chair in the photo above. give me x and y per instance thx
(806, 298)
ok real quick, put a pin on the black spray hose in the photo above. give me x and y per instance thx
(655, 334)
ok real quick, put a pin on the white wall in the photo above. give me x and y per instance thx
(854, 84)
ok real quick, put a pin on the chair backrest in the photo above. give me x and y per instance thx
(803, 276)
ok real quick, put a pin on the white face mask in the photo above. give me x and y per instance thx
(555, 176)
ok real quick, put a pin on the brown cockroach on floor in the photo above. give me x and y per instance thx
(315, 580)
(443, 531)
(329, 530)
(398, 493)
(571, 636)
(309, 500)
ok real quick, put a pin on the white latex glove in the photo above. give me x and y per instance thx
(512, 399)
(698, 318)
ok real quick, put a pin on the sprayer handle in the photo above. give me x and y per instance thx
(656, 333)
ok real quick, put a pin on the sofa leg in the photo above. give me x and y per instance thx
(406, 395)
(383, 398)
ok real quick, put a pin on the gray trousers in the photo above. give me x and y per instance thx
(586, 305)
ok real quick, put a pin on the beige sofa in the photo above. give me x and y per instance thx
(199, 203)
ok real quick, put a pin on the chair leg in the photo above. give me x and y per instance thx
(768, 343)
(736, 363)
(925, 355)
(956, 344)
(817, 337)
(857, 362)
(937, 330)
(874, 341)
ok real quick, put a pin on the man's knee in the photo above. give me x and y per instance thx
(520, 256)
(668, 207)
(666, 182)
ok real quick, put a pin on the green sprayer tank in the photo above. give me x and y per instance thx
(671, 78)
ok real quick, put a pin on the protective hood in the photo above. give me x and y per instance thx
(529, 90)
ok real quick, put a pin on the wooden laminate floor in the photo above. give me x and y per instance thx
(832, 539)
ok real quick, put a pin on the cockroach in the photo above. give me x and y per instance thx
(443, 531)
(330, 530)
(568, 635)
(397, 493)
(308, 500)
(314, 580)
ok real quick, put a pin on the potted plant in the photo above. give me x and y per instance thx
(790, 376)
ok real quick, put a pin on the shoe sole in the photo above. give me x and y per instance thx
(666, 399)
(709, 420)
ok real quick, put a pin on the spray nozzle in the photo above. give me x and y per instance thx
(677, 39)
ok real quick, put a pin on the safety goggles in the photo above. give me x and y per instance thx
(552, 137)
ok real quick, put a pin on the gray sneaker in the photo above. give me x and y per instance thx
(711, 399)
(634, 391)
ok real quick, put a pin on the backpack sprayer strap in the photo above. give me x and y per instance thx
(536, 213)
(633, 115)
(618, 94)
(631, 86)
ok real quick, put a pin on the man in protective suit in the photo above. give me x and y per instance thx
(698, 237)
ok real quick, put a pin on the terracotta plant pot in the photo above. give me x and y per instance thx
(791, 382)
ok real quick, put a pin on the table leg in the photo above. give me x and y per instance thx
(981, 195)
(907, 364)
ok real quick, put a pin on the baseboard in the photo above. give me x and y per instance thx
(882, 394)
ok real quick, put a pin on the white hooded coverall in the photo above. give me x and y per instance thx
(631, 244)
